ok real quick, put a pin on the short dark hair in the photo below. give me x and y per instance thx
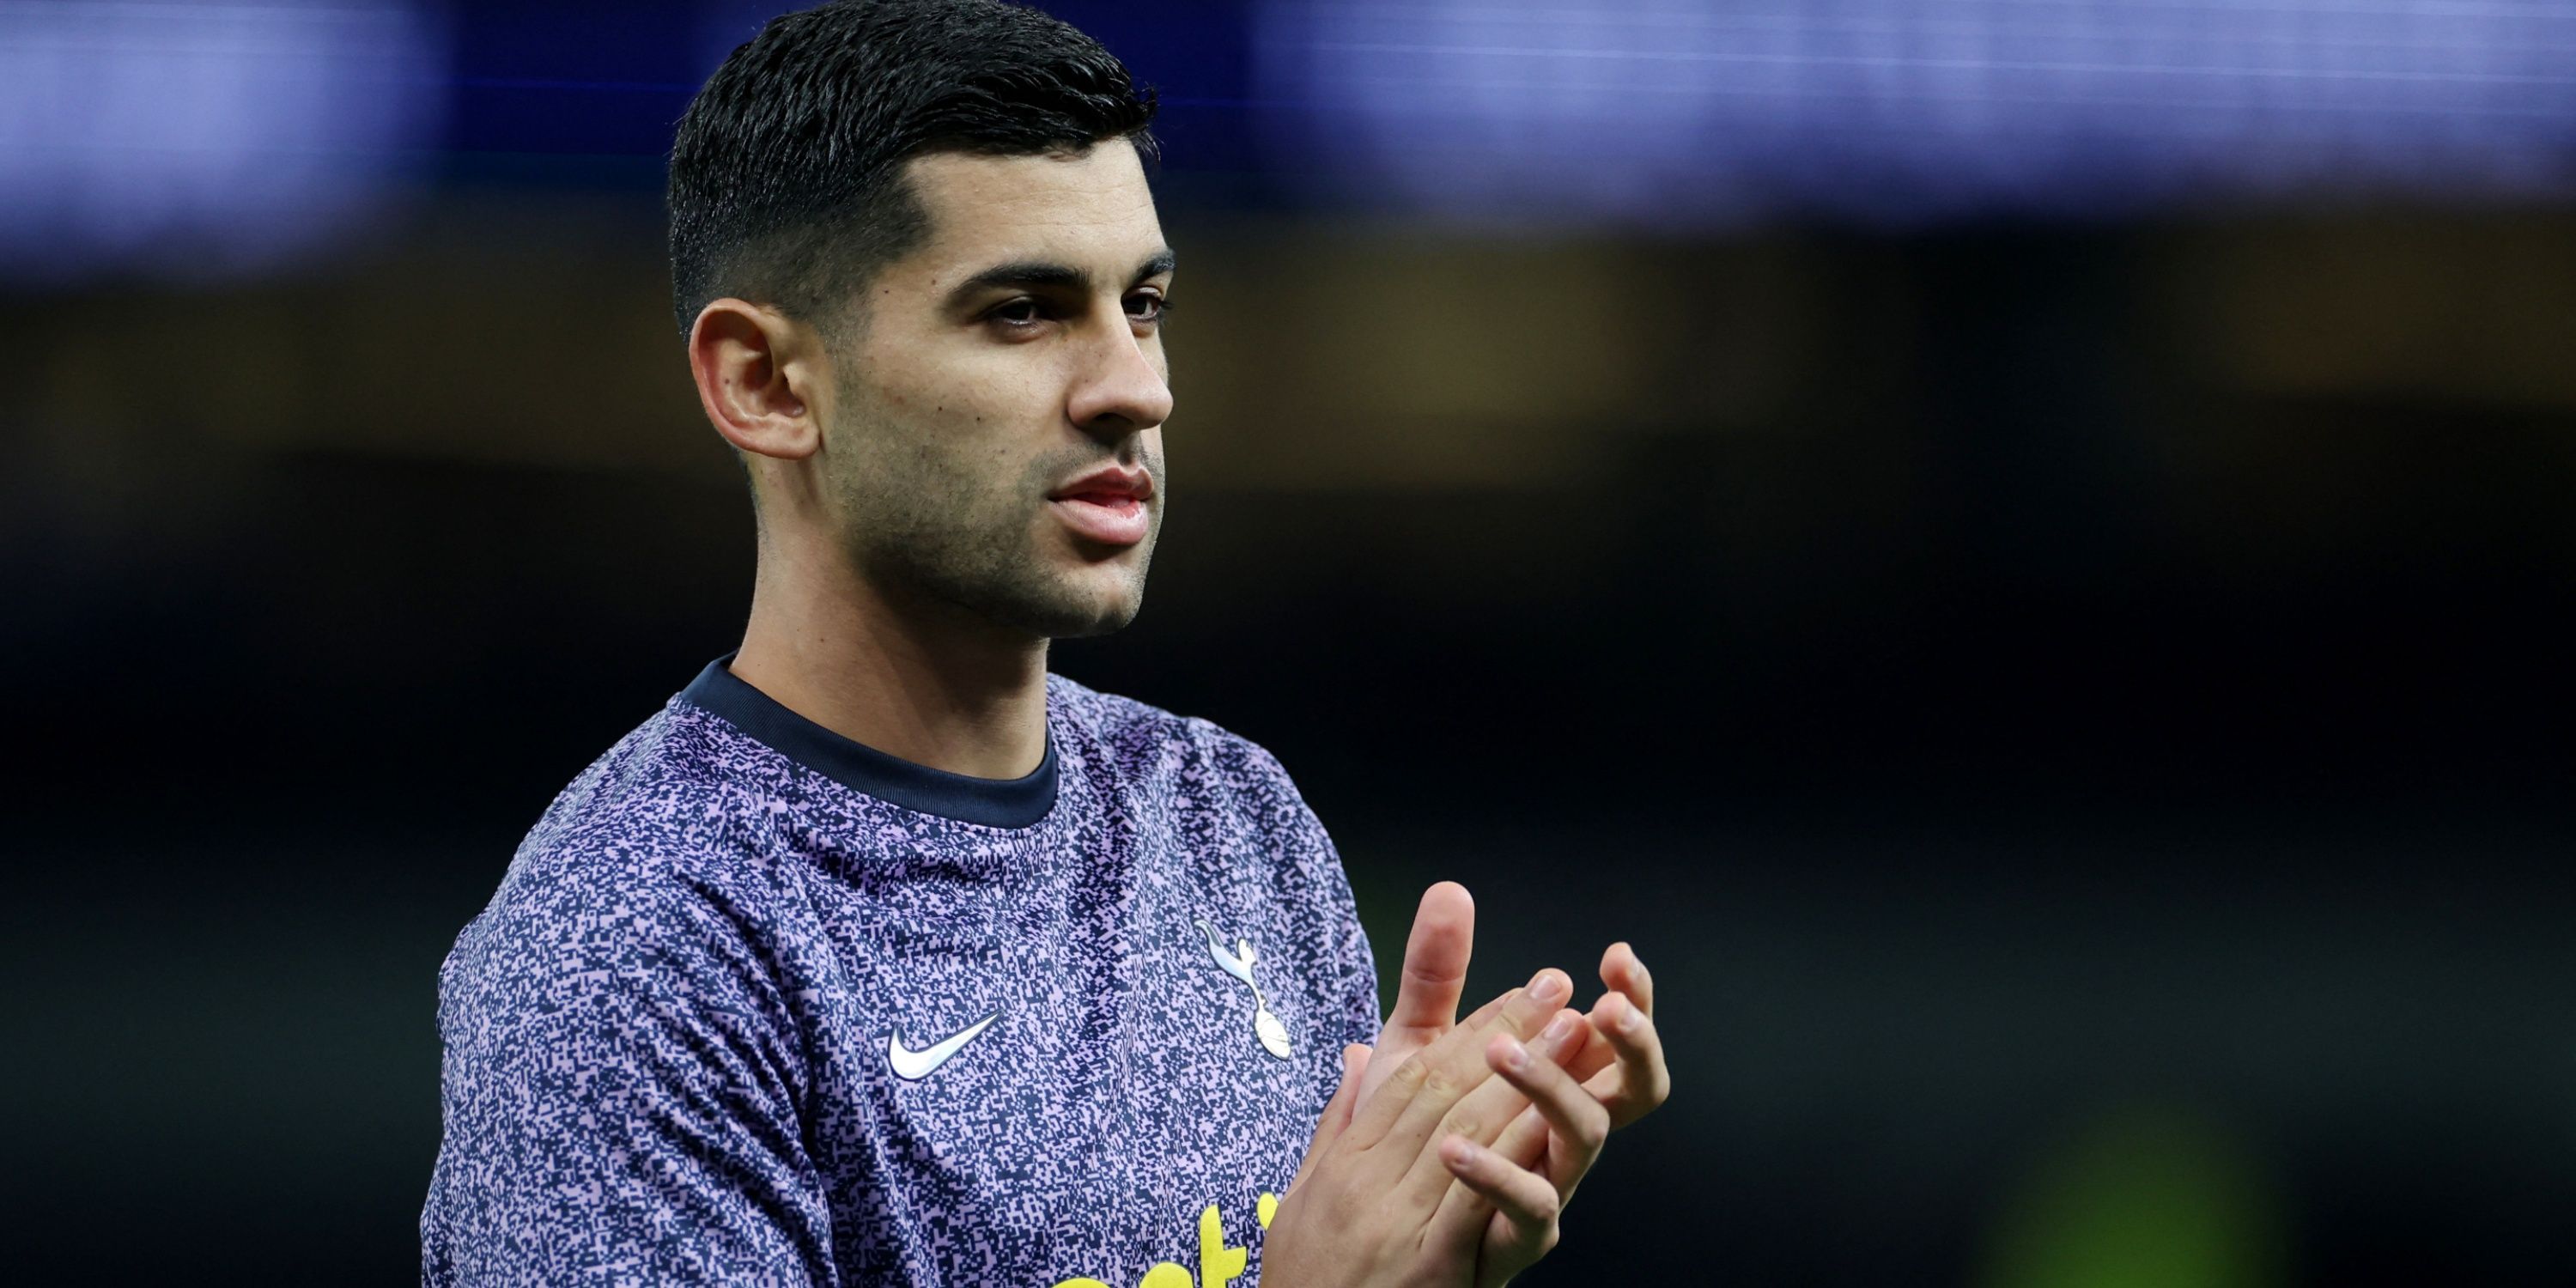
(786, 184)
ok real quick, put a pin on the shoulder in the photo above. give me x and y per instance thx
(661, 811)
(1227, 796)
(650, 867)
(1142, 737)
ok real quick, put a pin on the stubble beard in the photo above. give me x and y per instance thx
(943, 536)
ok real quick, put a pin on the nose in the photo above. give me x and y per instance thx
(1122, 390)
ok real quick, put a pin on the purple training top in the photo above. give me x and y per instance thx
(757, 1004)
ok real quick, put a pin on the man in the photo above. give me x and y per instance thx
(879, 955)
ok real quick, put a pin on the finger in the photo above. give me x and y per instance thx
(1434, 974)
(1525, 1141)
(1595, 1056)
(1580, 1122)
(1336, 1118)
(1524, 1198)
(1435, 960)
(1395, 1046)
(1484, 1114)
(1484, 1015)
(1638, 1083)
(1408, 1105)
(1622, 971)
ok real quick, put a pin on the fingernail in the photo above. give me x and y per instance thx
(1515, 1056)
(1458, 1149)
(1550, 987)
(1558, 1035)
(1631, 1019)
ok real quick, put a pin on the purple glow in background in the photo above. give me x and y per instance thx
(209, 139)
(1689, 111)
(204, 139)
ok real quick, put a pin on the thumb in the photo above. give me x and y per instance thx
(1435, 961)
(1337, 1111)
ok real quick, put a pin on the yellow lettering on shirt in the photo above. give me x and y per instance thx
(1219, 1265)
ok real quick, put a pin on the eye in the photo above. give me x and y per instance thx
(1147, 307)
(1018, 314)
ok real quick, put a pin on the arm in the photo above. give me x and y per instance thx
(621, 1091)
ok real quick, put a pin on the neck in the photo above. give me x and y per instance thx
(929, 682)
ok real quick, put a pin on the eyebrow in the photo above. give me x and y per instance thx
(1047, 274)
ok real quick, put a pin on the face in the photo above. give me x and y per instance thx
(995, 434)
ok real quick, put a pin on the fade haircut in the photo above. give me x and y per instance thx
(786, 180)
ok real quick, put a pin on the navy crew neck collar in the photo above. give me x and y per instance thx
(991, 802)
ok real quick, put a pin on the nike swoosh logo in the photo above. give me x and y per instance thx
(913, 1066)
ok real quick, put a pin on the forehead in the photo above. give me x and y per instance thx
(1082, 209)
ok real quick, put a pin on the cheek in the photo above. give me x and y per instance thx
(949, 418)
(956, 463)
(997, 408)
(974, 424)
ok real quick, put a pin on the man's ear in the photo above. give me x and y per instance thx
(759, 376)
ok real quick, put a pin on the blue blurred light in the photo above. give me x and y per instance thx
(202, 139)
(1683, 111)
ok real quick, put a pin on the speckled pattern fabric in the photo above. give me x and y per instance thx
(667, 1038)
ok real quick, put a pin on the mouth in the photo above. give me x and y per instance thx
(1107, 506)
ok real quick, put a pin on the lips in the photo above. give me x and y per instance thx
(1107, 506)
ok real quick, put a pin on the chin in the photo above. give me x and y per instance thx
(1098, 618)
(1069, 605)
(1096, 598)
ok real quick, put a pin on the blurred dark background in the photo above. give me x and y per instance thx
(2019, 551)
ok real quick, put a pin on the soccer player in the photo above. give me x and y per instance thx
(879, 955)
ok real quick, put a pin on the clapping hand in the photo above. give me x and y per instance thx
(1514, 1156)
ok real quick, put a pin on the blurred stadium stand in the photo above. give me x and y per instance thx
(2019, 548)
